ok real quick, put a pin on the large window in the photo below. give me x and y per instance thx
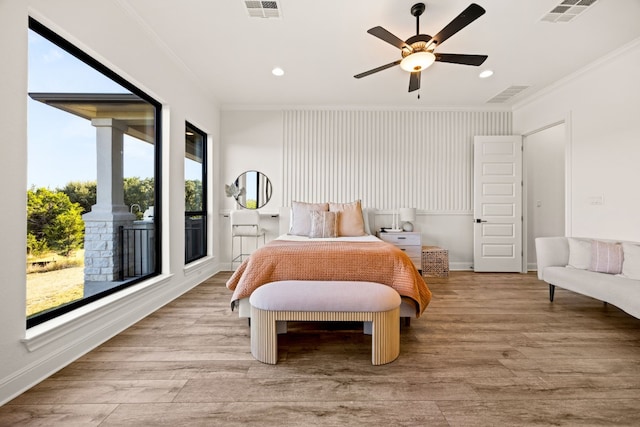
(195, 193)
(93, 196)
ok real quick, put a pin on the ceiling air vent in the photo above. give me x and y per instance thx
(507, 94)
(262, 9)
(567, 10)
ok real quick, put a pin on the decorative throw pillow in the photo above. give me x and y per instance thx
(606, 257)
(579, 253)
(350, 219)
(631, 263)
(366, 215)
(300, 218)
(323, 224)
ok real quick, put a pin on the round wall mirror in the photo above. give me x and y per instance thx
(257, 189)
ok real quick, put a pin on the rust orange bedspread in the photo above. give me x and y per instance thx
(379, 262)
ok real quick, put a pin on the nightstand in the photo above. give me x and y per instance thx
(409, 241)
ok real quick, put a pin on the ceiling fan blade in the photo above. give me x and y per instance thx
(386, 36)
(456, 58)
(375, 70)
(414, 81)
(465, 18)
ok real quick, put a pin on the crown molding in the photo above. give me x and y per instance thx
(258, 107)
(603, 60)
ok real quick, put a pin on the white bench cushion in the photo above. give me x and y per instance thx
(305, 295)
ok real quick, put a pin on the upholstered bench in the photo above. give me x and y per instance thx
(298, 300)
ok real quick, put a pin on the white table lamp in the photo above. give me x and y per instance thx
(407, 216)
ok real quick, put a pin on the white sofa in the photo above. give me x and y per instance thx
(554, 267)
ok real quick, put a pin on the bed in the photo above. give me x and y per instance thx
(345, 258)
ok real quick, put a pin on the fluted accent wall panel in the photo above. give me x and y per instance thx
(388, 159)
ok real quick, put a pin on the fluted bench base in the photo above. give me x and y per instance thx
(295, 300)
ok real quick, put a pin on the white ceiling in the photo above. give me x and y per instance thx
(322, 44)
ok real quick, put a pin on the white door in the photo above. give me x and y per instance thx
(497, 206)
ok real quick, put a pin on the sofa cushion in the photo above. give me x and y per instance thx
(579, 253)
(606, 257)
(631, 264)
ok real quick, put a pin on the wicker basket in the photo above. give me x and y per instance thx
(435, 262)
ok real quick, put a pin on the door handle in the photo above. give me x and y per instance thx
(478, 220)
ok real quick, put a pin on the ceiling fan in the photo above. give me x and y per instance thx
(418, 52)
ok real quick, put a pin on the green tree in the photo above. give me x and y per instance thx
(137, 191)
(66, 233)
(83, 193)
(35, 246)
(140, 192)
(193, 195)
(53, 222)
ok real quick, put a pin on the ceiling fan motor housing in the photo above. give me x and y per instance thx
(418, 43)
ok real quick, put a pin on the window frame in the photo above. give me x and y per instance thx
(71, 49)
(204, 211)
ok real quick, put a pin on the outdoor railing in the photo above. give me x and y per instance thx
(195, 232)
(137, 251)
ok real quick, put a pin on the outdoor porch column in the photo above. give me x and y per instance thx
(101, 249)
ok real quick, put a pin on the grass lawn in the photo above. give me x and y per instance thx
(53, 288)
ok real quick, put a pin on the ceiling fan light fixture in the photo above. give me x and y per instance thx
(417, 61)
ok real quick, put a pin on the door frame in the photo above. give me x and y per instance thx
(567, 183)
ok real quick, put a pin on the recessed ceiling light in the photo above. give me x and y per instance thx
(277, 71)
(485, 73)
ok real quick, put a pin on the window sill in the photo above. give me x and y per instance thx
(101, 310)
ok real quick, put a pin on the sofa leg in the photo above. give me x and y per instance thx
(552, 290)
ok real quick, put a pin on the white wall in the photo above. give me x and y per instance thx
(388, 159)
(251, 140)
(111, 35)
(601, 105)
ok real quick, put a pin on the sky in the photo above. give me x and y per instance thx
(61, 146)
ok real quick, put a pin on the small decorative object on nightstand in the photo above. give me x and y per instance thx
(409, 243)
(435, 262)
(407, 216)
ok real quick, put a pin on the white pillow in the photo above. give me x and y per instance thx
(606, 257)
(323, 224)
(300, 217)
(631, 264)
(366, 214)
(579, 253)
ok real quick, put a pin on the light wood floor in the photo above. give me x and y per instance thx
(490, 350)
